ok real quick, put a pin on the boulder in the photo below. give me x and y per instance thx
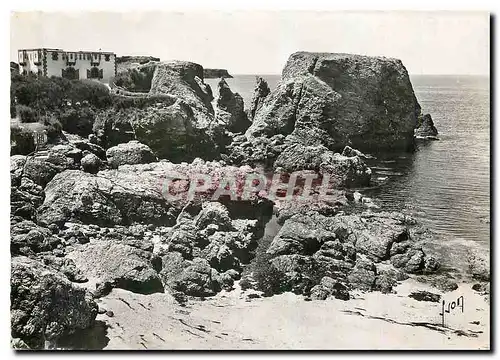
(413, 261)
(45, 305)
(387, 277)
(109, 198)
(91, 163)
(363, 275)
(213, 213)
(301, 235)
(124, 266)
(260, 92)
(76, 195)
(17, 163)
(479, 264)
(350, 152)
(230, 110)
(425, 128)
(77, 146)
(343, 171)
(422, 295)
(192, 278)
(25, 198)
(329, 287)
(130, 153)
(27, 238)
(41, 171)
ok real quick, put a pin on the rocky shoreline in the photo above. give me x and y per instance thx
(93, 215)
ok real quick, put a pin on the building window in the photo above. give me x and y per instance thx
(79, 56)
(55, 56)
(94, 73)
(70, 73)
(64, 56)
(106, 57)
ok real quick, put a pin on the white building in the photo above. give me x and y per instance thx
(68, 64)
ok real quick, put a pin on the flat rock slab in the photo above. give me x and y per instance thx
(123, 266)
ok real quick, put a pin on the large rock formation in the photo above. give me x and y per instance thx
(336, 100)
(230, 110)
(45, 305)
(216, 73)
(172, 114)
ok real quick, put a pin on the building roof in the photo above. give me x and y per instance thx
(76, 52)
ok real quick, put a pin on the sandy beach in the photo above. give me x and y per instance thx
(232, 320)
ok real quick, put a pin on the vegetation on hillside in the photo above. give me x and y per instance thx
(57, 103)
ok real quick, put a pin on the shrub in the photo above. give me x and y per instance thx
(53, 126)
(93, 92)
(21, 141)
(270, 280)
(135, 79)
(140, 102)
(78, 120)
(26, 114)
(48, 94)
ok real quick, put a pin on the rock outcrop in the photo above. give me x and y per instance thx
(345, 171)
(204, 252)
(230, 110)
(27, 238)
(425, 128)
(136, 193)
(45, 305)
(126, 62)
(30, 174)
(216, 73)
(167, 126)
(325, 256)
(259, 94)
(184, 80)
(172, 113)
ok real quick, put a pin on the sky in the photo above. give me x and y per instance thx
(254, 42)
